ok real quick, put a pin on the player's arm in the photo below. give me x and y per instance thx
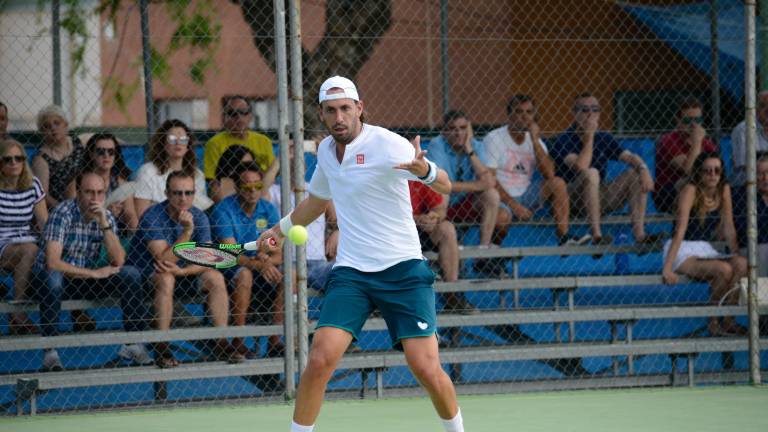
(442, 184)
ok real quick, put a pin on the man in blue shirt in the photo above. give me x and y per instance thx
(241, 218)
(163, 225)
(474, 198)
(581, 156)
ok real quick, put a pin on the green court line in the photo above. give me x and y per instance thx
(703, 409)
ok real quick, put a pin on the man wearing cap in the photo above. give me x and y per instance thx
(365, 170)
(236, 118)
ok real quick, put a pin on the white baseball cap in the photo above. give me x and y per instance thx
(345, 84)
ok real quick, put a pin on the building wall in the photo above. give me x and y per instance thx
(26, 66)
(552, 50)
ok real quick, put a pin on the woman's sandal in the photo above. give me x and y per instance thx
(166, 362)
(164, 358)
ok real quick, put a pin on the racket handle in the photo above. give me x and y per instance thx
(254, 245)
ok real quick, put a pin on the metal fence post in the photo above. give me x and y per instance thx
(297, 98)
(751, 135)
(285, 188)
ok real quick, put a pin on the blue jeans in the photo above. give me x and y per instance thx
(127, 283)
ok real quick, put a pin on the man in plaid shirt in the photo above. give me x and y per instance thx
(67, 263)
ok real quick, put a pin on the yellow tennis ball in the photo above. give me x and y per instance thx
(298, 234)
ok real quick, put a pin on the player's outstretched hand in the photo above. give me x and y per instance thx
(269, 240)
(418, 166)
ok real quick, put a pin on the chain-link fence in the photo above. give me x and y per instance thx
(594, 236)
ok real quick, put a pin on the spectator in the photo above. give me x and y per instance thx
(582, 154)
(704, 214)
(22, 199)
(76, 231)
(438, 234)
(676, 151)
(60, 156)
(223, 184)
(740, 215)
(4, 122)
(104, 157)
(514, 151)
(237, 118)
(242, 218)
(163, 225)
(170, 149)
(739, 140)
(474, 197)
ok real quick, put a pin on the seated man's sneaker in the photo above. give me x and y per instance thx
(135, 353)
(51, 361)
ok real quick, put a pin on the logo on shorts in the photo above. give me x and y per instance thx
(422, 325)
(360, 159)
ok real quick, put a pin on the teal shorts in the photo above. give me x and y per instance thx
(403, 293)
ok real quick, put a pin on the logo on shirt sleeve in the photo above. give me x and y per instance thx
(360, 159)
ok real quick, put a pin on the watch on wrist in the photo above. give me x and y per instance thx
(472, 153)
(108, 227)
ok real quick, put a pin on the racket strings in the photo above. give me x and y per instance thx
(207, 256)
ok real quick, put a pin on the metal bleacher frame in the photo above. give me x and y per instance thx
(30, 384)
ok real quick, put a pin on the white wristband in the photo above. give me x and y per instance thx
(432, 174)
(286, 224)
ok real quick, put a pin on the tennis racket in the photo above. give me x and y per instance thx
(214, 255)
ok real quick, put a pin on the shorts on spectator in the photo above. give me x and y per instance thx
(466, 210)
(427, 245)
(692, 249)
(611, 199)
(665, 199)
(530, 199)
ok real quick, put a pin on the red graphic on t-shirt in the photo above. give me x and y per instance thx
(360, 159)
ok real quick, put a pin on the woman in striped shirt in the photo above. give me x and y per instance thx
(22, 199)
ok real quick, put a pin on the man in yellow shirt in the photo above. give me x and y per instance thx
(237, 118)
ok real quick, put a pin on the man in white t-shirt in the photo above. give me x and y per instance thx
(739, 140)
(513, 153)
(379, 265)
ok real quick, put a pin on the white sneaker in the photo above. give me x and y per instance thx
(51, 361)
(136, 353)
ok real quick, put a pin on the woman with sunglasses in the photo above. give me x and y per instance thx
(60, 156)
(223, 185)
(22, 201)
(170, 149)
(705, 214)
(104, 157)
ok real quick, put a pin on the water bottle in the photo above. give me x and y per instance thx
(621, 259)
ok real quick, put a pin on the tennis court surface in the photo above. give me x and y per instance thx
(702, 409)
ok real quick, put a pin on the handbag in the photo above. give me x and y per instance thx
(762, 291)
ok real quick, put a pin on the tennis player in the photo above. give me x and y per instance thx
(365, 170)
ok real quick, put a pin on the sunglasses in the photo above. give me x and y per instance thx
(588, 109)
(689, 120)
(180, 193)
(252, 187)
(712, 170)
(11, 159)
(174, 140)
(102, 151)
(237, 112)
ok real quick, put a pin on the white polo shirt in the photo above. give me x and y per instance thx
(373, 205)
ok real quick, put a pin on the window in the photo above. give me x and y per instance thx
(193, 112)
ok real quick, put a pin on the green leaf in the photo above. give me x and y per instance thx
(160, 67)
(198, 69)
